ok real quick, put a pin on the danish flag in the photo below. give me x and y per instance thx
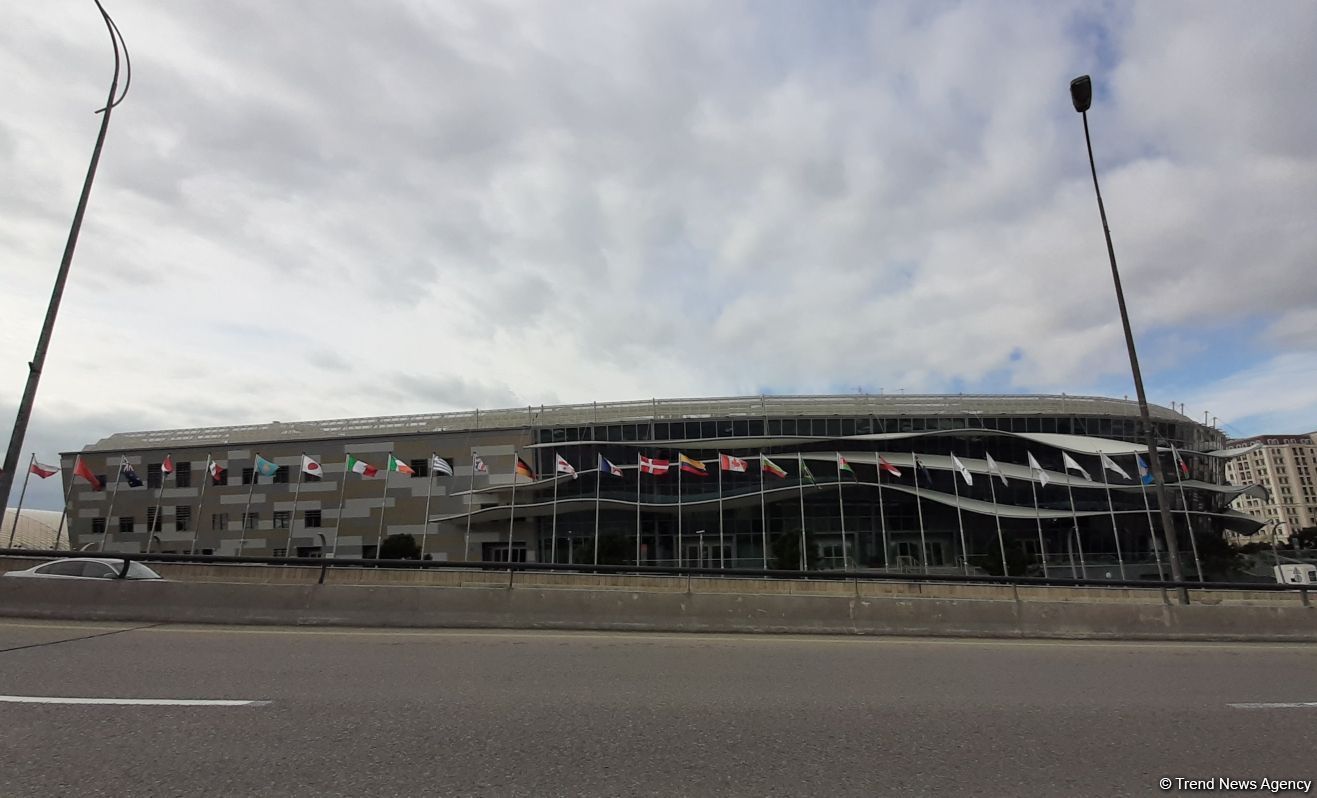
(650, 465)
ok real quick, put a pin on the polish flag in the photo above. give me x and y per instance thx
(650, 465)
(43, 471)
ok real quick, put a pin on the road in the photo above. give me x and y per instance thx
(356, 712)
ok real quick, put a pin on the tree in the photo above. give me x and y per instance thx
(400, 547)
(1307, 537)
(786, 552)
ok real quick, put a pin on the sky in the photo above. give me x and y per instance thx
(310, 210)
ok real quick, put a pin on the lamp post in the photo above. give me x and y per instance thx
(1081, 94)
(43, 341)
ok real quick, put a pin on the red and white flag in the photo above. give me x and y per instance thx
(651, 465)
(729, 463)
(311, 467)
(477, 465)
(561, 466)
(888, 467)
(80, 469)
(167, 467)
(216, 473)
(43, 471)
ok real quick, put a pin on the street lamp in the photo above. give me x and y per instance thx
(43, 341)
(1081, 94)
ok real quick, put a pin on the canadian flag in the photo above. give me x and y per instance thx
(650, 465)
(729, 463)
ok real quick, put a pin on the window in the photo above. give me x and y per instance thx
(70, 568)
(126, 524)
(494, 552)
(153, 473)
(279, 552)
(152, 520)
(98, 526)
(183, 475)
(311, 519)
(421, 467)
(250, 520)
(248, 474)
(182, 519)
(281, 520)
(101, 478)
(219, 521)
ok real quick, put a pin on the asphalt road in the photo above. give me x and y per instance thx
(374, 712)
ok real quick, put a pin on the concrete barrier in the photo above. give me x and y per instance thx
(653, 610)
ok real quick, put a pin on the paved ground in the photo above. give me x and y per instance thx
(367, 712)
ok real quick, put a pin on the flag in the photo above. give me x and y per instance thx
(1069, 463)
(728, 463)
(691, 465)
(311, 467)
(402, 468)
(167, 467)
(361, 467)
(1110, 465)
(772, 468)
(216, 473)
(964, 472)
(883, 465)
(265, 468)
(650, 465)
(842, 465)
(606, 467)
(80, 469)
(477, 465)
(993, 468)
(923, 471)
(522, 469)
(43, 471)
(129, 474)
(440, 466)
(805, 473)
(561, 466)
(1144, 476)
(1034, 468)
(1179, 462)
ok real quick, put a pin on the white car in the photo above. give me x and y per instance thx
(86, 568)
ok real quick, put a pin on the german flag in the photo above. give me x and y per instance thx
(524, 470)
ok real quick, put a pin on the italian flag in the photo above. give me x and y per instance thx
(361, 467)
(402, 468)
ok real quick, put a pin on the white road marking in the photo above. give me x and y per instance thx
(136, 702)
(1278, 705)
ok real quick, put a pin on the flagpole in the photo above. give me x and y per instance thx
(960, 520)
(637, 508)
(598, 480)
(256, 475)
(114, 494)
(342, 488)
(64, 515)
(292, 521)
(996, 516)
(763, 512)
(470, 497)
(384, 501)
(882, 514)
(800, 469)
(159, 496)
(1074, 514)
(1188, 520)
(721, 563)
(1038, 516)
(1152, 531)
(13, 530)
(1115, 533)
(512, 514)
(196, 527)
(429, 493)
(919, 508)
(841, 510)
(681, 559)
(553, 543)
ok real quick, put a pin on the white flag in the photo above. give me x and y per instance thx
(1035, 468)
(561, 466)
(1110, 465)
(1069, 463)
(964, 472)
(477, 465)
(440, 465)
(311, 467)
(993, 468)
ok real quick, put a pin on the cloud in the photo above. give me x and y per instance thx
(511, 202)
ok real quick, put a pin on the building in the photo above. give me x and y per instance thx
(1283, 465)
(33, 529)
(934, 518)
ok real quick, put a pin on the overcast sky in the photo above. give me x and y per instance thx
(326, 209)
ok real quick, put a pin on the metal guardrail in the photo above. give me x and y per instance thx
(325, 563)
